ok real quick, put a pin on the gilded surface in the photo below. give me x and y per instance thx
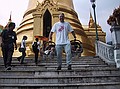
(34, 23)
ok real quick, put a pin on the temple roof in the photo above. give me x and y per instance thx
(33, 3)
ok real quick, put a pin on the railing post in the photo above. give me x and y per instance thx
(115, 31)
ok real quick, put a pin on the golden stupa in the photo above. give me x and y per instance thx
(1, 28)
(40, 17)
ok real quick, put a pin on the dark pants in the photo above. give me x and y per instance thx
(7, 51)
(21, 58)
(36, 56)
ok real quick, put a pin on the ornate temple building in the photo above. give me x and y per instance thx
(1, 28)
(91, 32)
(42, 14)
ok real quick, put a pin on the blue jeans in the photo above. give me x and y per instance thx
(67, 48)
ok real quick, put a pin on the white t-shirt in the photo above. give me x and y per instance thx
(62, 30)
(23, 44)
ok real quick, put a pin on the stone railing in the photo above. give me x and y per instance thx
(110, 53)
(105, 52)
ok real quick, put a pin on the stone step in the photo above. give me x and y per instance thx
(58, 79)
(74, 59)
(54, 60)
(86, 73)
(63, 72)
(54, 63)
(111, 85)
(74, 67)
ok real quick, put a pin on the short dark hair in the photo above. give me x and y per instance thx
(25, 37)
(11, 24)
(61, 14)
(36, 39)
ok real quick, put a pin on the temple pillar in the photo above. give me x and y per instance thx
(37, 29)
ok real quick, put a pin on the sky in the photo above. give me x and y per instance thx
(104, 9)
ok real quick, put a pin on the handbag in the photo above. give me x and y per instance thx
(20, 49)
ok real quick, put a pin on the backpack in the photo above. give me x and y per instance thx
(34, 47)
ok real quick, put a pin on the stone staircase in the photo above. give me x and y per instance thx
(86, 73)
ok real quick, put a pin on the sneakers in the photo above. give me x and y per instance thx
(8, 68)
(18, 59)
(22, 63)
(69, 67)
(36, 63)
(59, 68)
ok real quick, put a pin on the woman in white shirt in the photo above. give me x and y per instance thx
(23, 49)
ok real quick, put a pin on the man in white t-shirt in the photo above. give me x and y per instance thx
(62, 30)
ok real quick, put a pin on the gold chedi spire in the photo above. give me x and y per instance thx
(10, 18)
(42, 14)
(91, 21)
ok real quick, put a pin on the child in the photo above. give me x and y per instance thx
(50, 52)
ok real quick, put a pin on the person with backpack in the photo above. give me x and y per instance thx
(36, 49)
